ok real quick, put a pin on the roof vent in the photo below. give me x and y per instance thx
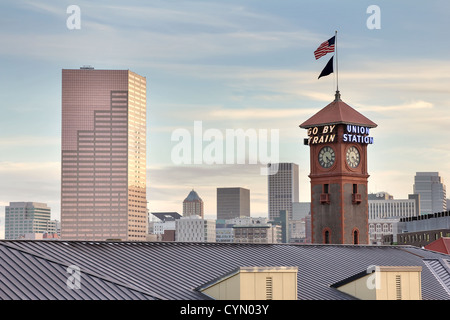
(398, 287)
(254, 283)
(384, 283)
(269, 288)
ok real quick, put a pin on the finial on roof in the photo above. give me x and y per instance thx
(337, 96)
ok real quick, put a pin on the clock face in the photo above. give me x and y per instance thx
(352, 157)
(326, 157)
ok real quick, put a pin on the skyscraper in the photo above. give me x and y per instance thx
(233, 203)
(431, 188)
(103, 177)
(282, 188)
(22, 218)
(193, 205)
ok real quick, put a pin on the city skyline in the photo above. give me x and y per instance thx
(232, 65)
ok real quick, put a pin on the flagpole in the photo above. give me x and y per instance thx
(337, 68)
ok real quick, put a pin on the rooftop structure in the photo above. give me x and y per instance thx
(171, 270)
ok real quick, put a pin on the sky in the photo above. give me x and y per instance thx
(228, 65)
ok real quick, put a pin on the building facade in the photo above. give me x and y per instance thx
(25, 219)
(255, 230)
(300, 210)
(380, 229)
(283, 188)
(103, 167)
(195, 229)
(224, 231)
(233, 203)
(193, 205)
(163, 225)
(424, 229)
(432, 190)
(383, 205)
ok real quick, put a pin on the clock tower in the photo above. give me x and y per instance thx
(338, 137)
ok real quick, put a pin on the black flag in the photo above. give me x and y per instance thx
(328, 69)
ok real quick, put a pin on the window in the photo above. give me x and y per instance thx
(325, 197)
(326, 238)
(355, 237)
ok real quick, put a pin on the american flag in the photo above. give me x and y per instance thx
(324, 48)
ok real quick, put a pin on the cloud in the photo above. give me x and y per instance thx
(256, 113)
(31, 181)
(408, 106)
(34, 141)
(143, 33)
(43, 8)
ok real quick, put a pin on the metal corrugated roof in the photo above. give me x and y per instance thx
(440, 268)
(28, 276)
(172, 270)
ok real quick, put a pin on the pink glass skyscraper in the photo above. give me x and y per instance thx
(103, 165)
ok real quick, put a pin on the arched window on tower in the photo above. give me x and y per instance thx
(355, 237)
(326, 237)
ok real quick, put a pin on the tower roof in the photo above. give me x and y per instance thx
(338, 112)
(193, 196)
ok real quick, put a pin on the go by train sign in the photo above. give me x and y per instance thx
(329, 134)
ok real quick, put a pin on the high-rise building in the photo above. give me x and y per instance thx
(233, 203)
(193, 205)
(25, 218)
(282, 188)
(103, 167)
(431, 188)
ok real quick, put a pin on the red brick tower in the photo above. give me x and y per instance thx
(338, 137)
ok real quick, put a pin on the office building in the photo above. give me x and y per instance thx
(193, 205)
(431, 188)
(300, 210)
(282, 222)
(103, 167)
(424, 229)
(255, 230)
(195, 229)
(381, 229)
(282, 188)
(385, 212)
(164, 225)
(25, 219)
(383, 206)
(233, 203)
(224, 231)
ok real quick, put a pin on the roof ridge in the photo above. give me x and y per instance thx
(87, 271)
